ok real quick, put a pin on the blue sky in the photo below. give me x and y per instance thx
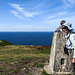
(35, 15)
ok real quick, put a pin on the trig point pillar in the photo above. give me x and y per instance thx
(60, 62)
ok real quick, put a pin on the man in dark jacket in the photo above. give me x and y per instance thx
(59, 29)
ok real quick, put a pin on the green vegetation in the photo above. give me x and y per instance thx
(4, 42)
(22, 53)
(15, 71)
(39, 64)
(44, 72)
(17, 59)
(27, 73)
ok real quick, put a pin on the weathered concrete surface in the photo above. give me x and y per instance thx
(60, 58)
(50, 68)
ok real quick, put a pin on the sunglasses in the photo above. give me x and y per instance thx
(64, 27)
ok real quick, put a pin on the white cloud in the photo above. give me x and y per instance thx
(21, 26)
(17, 6)
(56, 22)
(50, 17)
(57, 15)
(61, 13)
(15, 25)
(2, 24)
(38, 5)
(26, 14)
(68, 2)
(29, 14)
(72, 1)
(16, 14)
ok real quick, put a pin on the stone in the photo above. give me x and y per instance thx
(60, 62)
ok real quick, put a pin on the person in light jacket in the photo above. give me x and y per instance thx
(70, 38)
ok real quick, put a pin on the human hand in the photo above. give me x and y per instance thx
(73, 60)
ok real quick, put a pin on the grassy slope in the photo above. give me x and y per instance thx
(4, 42)
(22, 60)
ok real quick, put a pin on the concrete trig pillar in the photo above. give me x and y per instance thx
(60, 59)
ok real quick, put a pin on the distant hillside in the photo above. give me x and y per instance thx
(4, 42)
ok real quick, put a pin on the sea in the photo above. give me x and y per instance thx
(28, 38)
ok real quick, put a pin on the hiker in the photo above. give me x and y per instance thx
(70, 38)
(59, 29)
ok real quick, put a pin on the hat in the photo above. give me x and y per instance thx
(69, 25)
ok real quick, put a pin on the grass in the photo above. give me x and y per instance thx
(15, 57)
(44, 72)
(38, 64)
(15, 71)
(15, 53)
(27, 73)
